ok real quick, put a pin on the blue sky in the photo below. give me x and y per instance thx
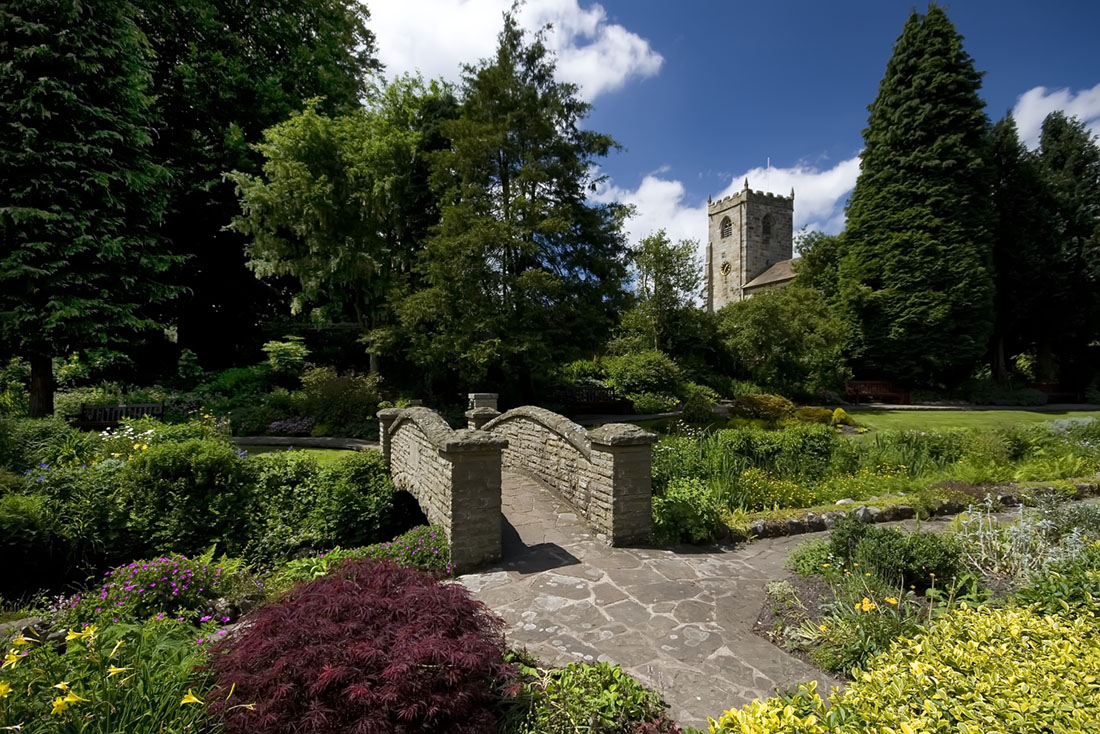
(704, 93)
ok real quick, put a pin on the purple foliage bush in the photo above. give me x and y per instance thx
(291, 427)
(371, 649)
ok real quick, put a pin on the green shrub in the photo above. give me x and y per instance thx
(649, 371)
(812, 558)
(596, 697)
(582, 372)
(34, 551)
(685, 513)
(919, 559)
(980, 670)
(188, 369)
(287, 357)
(648, 403)
(25, 442)
(345, 403)
(771, 408)
(186, 496)
(840, 417)
(1068, 586)
(122, 678)
(301, 505)
(698, 408)
(811, 414)
(424, 548)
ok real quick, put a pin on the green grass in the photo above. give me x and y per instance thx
(323, 456)
(934, 419)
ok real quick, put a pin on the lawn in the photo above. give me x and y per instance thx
(323, 456)
(934, 419)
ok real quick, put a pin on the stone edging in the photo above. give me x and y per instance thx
(813, 522)
(307, 442)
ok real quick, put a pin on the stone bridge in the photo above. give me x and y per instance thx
(455, 475)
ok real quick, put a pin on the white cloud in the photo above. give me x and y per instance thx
(1034, 105)
(663, 203)
(436, 37)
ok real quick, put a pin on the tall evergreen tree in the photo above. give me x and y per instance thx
(523, 270)
(1069, 164)
(1022, 249)
(916, 276)
(80, 196)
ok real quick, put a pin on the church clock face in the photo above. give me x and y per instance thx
(726, 268)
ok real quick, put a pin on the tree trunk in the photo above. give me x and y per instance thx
(1000, 366)
(41, 403)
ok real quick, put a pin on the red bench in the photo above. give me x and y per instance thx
(881, 390)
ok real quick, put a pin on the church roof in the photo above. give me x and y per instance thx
(780, 272)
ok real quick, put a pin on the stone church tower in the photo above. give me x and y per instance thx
(749, 245)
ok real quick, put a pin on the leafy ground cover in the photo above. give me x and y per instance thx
(990, 627)
(706, 481)
(321, 456)
(923, 420)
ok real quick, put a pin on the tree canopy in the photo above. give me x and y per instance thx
(916, 278)
(81, 264)
(523, 271)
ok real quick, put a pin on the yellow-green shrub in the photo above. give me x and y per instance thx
(973, 671)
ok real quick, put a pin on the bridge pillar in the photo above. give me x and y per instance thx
(625, 454)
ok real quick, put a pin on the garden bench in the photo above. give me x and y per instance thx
(100, 417)
(873, 390)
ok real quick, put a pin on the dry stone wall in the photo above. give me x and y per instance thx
(454, 475)
(604, 473)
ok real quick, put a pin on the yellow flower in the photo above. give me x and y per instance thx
(20, 640)
(866, 605)
(12, 659)
(891, 600)
(249, 706)
(62, 686)
(115, 649)
(115, 670)
(190, 698)
(59, 705)
(855, 565)
(824, 565)
(88, 631)
(5, 689)
(867, 574)
(137, 446)
(822, 627)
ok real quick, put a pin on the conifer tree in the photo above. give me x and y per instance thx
(524, 271)
(80, 265)
(916, 280)
(1069, 165)
(1022, 248)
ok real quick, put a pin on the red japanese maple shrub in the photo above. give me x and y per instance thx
(371, 648)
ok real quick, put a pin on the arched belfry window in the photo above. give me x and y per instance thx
(767, 226)
(727, 227)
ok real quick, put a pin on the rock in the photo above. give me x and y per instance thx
(845, 501)
(23, 626)
(867, 514)
(830, 519)
(794, 526)
(758, 529)
(905, 512)
(1007, 500)
(814, 522)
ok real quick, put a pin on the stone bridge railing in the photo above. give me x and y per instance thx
(604, 473)
(454, 475)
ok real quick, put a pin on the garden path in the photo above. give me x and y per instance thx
(679, 620)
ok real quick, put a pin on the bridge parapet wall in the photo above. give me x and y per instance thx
(604, 473)
(454, 475)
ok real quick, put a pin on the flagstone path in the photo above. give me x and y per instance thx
(679, 620)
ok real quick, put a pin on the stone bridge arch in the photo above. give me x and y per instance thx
(604, 473)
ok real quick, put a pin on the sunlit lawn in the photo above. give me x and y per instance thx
(323, 456)
(924, 419)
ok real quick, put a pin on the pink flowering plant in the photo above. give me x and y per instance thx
(172, 587)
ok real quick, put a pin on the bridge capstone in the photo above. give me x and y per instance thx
(454, 475)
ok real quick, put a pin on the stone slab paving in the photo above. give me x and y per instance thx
(678, 620)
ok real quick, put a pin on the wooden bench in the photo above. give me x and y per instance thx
(100, 417)
(882, 390)
(591, 399)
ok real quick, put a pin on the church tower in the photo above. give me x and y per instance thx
(750, 245)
